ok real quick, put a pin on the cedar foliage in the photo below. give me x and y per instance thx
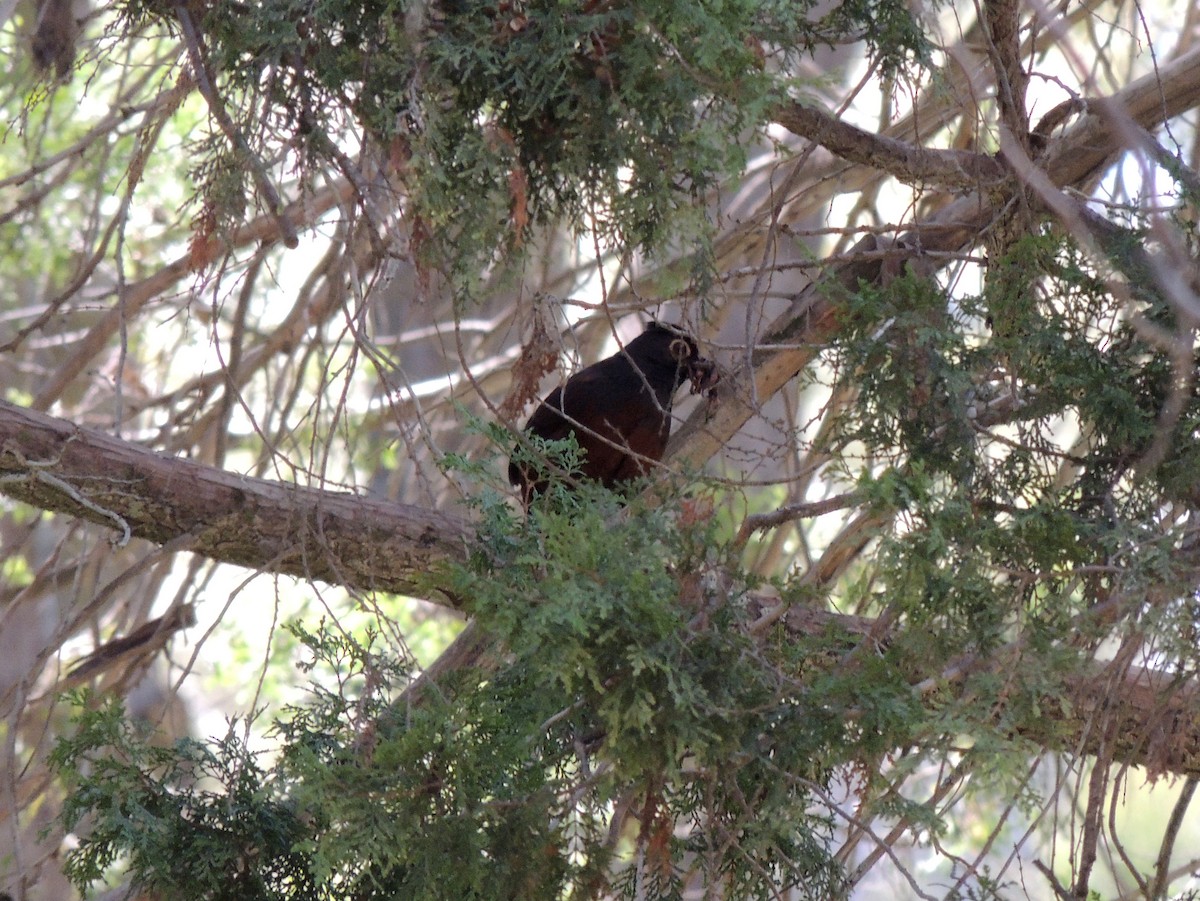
(639, 736)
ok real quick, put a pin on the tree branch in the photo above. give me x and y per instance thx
(329, 536)
(1150, 717)
(911, 164)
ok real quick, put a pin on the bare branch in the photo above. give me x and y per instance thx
(803, 510)
(265, 228)
(946, 169)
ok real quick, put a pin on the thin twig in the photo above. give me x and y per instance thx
(217, 107)
(1162, 872)
(757, 522)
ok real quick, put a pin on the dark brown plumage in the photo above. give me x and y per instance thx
(619, 409)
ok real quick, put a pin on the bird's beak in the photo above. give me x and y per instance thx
(704, 377)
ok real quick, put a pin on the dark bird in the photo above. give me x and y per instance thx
(619, 409)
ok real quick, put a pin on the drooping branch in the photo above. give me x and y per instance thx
(216, 107)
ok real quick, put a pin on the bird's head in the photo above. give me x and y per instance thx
(676, 348)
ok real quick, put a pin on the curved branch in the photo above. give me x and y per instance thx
(947, 169)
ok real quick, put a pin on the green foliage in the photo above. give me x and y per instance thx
(617, 118)
(192, 821)
(606, 612)
(396, 792)
(625, 684)
(1002, 540)
(620, 118)
(894, 37)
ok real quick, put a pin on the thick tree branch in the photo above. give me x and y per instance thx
(1003, 19)
(329, 536)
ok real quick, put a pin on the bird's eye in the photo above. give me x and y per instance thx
(680, 350)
